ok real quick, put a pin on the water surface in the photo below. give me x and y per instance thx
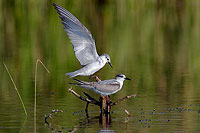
(155, 43)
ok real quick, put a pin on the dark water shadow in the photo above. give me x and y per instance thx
(104, 121)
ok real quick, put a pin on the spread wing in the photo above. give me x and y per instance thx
(107, 86)
(81, 38)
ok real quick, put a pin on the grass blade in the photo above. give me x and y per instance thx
(16, 89)
(35, 101)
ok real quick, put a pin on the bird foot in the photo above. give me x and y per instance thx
(96, 78)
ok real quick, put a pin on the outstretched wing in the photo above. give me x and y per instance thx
(81, 38)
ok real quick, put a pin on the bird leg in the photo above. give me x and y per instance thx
(96, 78)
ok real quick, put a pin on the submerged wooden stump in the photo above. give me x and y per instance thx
(104, 102)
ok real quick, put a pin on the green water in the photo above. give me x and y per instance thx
(156, 43)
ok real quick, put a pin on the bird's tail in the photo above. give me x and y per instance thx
(72, 74)
(75, 84)
(79, 82)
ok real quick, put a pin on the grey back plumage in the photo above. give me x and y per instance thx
(106, 87)
(81, 38)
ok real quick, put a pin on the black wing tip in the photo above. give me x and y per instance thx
(55, 5)
(61, 17)
(72, 83)
(79, 81)
(59, 10)
(75, 79)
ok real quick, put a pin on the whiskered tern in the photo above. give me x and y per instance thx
(83, 45)
(105, 87)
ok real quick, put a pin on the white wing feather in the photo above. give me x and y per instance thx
(81, 38)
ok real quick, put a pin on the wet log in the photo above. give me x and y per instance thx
(104, 102)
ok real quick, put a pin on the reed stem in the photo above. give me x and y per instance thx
(35, 99)
(16, 89)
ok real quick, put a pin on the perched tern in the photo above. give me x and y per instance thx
(105, 87)
(83, 45)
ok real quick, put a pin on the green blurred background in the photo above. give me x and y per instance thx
(154, 42)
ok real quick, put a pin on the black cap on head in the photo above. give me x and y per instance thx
(123, 76)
